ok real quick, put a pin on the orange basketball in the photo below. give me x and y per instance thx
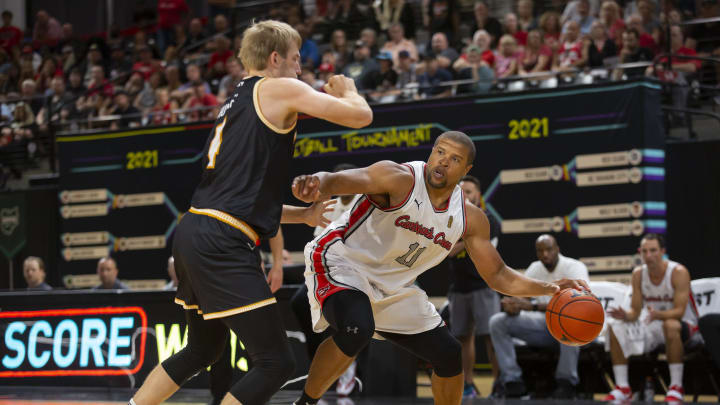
(574, 318)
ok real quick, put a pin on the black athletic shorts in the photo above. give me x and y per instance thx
(218, 268)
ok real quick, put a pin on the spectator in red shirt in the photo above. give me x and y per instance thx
(200, 99)
(511, 27)
(551, 30)
(221, 55)
(10, 36)
(506, 59)
(537, 57)
(47, 29)
(646, 40)
(146, 65)
(481, 40)
(170, 13)
(570, 54)
(98, 83)
(610, 17)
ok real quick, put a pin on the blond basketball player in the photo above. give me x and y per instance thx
(663, 286)
(360, 272)
(238, 203)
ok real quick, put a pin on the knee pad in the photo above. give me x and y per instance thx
(190, 360)
(354, 334)
(447, 359)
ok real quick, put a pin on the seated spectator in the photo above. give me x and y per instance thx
(441, 16)
(130, 116)
(483, 21)
(119, 62)
(173, 283)
(47, 30)
(68, 58)
(536, 57)
(146, 64)
(525, 320)
(201, 101)
(632, 52)
(481, 40)
(308, 76)
(94, 57)
(610, 17)
(646, 40)
(477, 69)
(406, 70)
(162, 113)
(220, 25)
(48, 69)
(10, 35)
(526, 16)
(185, 91)
(23, 116)
(570, 53)
(506, 58)
(340, 49)
(309, 51)
(432, 77)
(705, 38)
(58, 98)
(369, 36)
(196, 33)
(384, 81)
(389, 12)
(145, 99)
(172, 78)
(107, 271)
(397, 42)
(134, 85)
(28, 92)
(579, 11)
(598, 47)
(511, 27)
(681, 70)
(235, 74)
(324, 71)
(649, 16)
(446, 55)
(34, 273)
(76, 86)
(663, 287)
(363, 67)
(98, 83)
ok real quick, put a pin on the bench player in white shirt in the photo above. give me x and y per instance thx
(664, 287)
(361, 271)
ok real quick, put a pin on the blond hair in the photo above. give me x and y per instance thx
(261, 39)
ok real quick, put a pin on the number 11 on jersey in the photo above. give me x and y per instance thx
(215, 144)
(406, 260)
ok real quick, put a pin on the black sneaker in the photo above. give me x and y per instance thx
(498, 390)
(564, 390)
(515, 389)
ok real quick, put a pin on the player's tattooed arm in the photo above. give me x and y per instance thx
(388, 180)
(493, 269)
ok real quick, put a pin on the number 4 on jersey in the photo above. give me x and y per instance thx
(404, 258)
(215, 144)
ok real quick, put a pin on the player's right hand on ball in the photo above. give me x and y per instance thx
(574, 284)
(306, 188)
(339, 85)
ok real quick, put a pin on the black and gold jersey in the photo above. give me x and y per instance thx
(246, 163)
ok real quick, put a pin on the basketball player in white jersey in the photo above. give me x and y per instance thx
(361, 271)
(663, 286)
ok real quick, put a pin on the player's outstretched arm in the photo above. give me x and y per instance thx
(340, 104)
(314, 215)
(385, 178)
(492, 268)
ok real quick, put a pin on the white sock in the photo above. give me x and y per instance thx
(132, 402)
(676, 374)
(621, 378)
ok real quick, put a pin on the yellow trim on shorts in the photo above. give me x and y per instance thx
(230, 220)
(186, 306)
(240, 310)
(256, 103)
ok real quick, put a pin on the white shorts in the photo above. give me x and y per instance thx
(406, 311)
(640, 337)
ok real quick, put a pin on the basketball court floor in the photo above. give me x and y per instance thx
(120, 396)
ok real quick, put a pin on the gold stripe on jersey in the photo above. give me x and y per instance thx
(230, 220)
(256, 103)
(240, 310)
(186, 306)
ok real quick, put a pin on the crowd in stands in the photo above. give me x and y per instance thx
(177, 67)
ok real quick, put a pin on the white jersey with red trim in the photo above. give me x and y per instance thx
(391, 246)
(660, 297)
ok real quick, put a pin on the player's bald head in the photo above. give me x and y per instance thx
(546, 240)
(461, 139)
